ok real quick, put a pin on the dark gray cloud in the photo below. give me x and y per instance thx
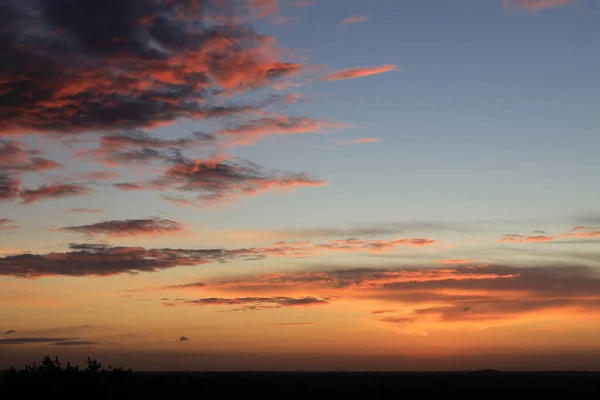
(32, 340)
(128, 227)
(75, 343)
(258, 303)
(48, 192)
(184, 339)
(103, 260)
(10, 331)
(68, 66)
(220, 180)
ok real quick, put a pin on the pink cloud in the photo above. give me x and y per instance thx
(355, 19)
(359, 72)
(577, 232)
(47, 192)
(536, 5)
(358, 140)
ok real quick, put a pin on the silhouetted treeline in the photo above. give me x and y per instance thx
(51, 378)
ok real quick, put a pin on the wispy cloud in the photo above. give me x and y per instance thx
(252, 131)
(579, 232)
(32, 340)
(359, 72)
(48, 192)
(535, 5)
(258, 303)
(128, 227)
(86, 210)
(7, 224)
(355, 19)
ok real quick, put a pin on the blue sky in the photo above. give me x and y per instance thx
(484, 147)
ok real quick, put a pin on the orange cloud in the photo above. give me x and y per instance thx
(577, 232)
(355, 19)
(359, 72)
(535, 5)
(252, 131)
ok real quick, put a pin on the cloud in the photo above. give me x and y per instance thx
(534, 6)
(358, 140)
(359, 72)
(16, 157)
(377, 312)
(88, 259)
(254, 130)
(10, 187)
(264, 7)
(99, 175)
(220, 181)
(32, 340)
(48, 192)
(355, 19)
(103, 260)
(75, 343)
(425, 297)
(184, 339)
(136, 66)
(139, 147)
(7, 224)
(290, 324)
(10, 331)
(579, 232)
(128, 227)
(86, 210)
(258, 303)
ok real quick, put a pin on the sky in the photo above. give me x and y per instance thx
(300, 184)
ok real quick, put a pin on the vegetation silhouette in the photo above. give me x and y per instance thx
(51, 378)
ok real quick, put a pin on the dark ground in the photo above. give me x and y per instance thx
(308, 385)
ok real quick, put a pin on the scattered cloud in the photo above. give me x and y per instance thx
(289, 324)
(99, 175)
(355, 19)
(10, 187)
(534, 6)
(359, 72)
(9, 332)
(16, 157)
(32, 340)
(48, 192)
(128, 227)
(86, 210)
(135, 67)
(184, 339)
(459, 261)
(578, 232)
(7, 224)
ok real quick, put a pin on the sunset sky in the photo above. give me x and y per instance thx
(300, 184)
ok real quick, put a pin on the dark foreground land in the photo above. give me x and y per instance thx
(304, 385)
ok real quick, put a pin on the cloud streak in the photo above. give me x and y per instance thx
(49, 192)
(128, 227)
(355, 19)
(578, 232)
(359, 72)
(534, 6)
